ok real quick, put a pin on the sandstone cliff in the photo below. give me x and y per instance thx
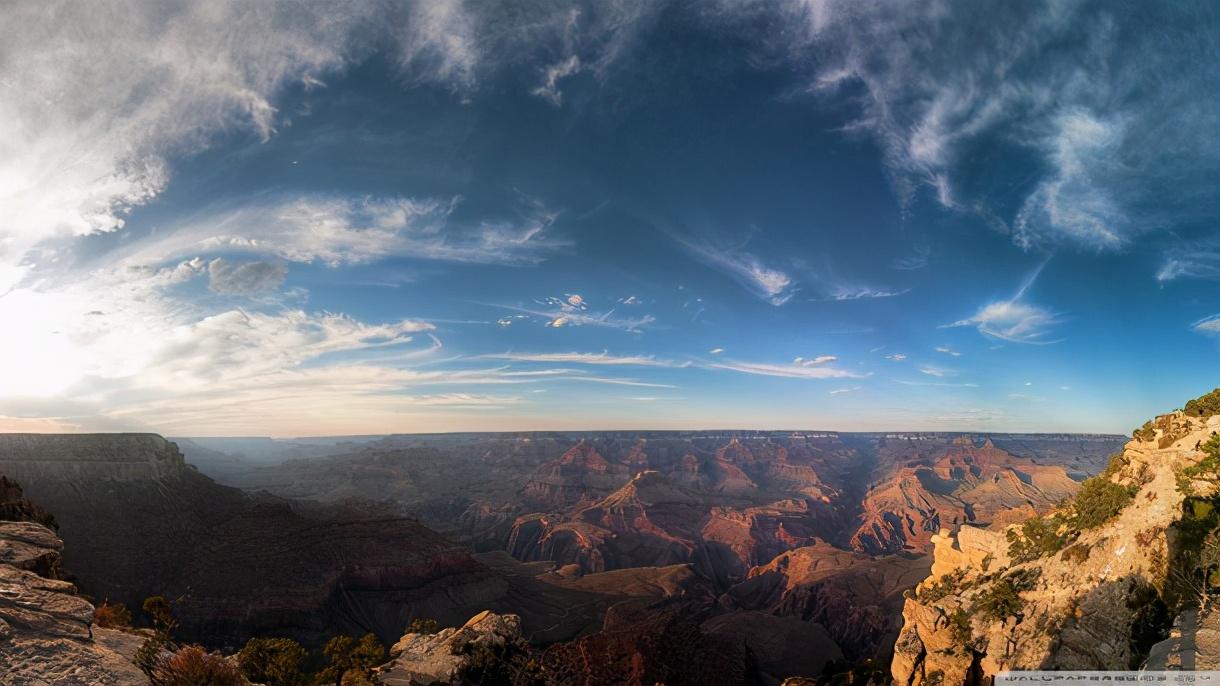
(1092, 587)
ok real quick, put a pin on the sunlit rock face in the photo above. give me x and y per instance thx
(1099, 601)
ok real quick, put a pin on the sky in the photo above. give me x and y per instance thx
(292, 219)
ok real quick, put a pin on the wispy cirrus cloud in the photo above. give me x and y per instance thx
(1208, 325)
(602, 358)
(792, 371)
(352, 230)
(768, 283)
(1085, 110)
(844, 292)
(1199, 259)
(814, 361)
(1015, 320)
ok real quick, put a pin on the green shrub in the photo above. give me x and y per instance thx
(945, 586)
(1204, 406)
(348, 658)
(1099, 501)
(1209, 467)
(273, 661)
(1147, 432)
(1038, 537)
(160, 614)
(1003, 598)
(960, 629)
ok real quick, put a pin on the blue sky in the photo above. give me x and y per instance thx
(300, 219)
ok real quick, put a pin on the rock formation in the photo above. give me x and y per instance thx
(1092, 587)
(46, 632)
(451, 655)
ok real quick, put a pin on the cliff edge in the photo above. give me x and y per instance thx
(1096, 584)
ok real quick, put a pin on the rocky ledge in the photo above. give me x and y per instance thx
(46, 635)
(450, 655)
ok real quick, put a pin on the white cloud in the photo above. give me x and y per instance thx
(794, 371)
(439, 43)
(549, 90)
(770, 284)
(565, 315)
(245, 278)
(814, 361)
(1208, 325)
(1013, 321)
(715, 351)
(345, 230)
(1113, 148)
(938, 372)
(97, 99)
(1191, 260)
(896, 357)
(841, 391)
(844, 292)
(602, 358)
(948, 351)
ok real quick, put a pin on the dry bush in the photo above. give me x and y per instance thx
(193, 666)
(110, 615)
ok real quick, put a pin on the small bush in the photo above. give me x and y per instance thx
(1209, 467)
(508, 665)
(348, 659)
(1001, 600)
(1038, 537)
(194, 666)
(1147, 432)
(1099, 501)
(273, 661)
(160, 614)
(1204, 406)
(110, 615)
(947, 585)
(960, 629)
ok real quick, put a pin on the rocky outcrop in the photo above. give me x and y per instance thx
(46, 635)
(1091, 586)
(448, 656)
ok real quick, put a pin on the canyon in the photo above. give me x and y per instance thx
(755, 556)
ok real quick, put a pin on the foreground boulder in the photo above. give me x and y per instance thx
(46, 636)
(450, 656)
